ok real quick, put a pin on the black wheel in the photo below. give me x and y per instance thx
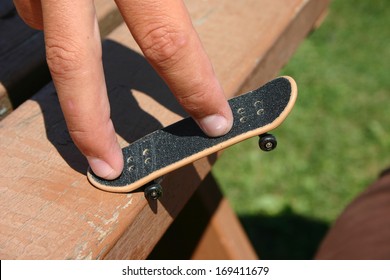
(153, 191)
(267, 142)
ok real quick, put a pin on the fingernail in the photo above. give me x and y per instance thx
(101, 168)
(215, 125)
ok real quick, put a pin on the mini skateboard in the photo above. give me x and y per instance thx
(149, 158)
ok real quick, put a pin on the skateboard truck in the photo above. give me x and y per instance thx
(267, 142)
(154, 190)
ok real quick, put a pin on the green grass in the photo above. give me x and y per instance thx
(333, 145)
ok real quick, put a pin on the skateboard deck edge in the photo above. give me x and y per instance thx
(239, 138)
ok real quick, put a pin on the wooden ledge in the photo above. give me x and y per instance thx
(23, 68)
(48, 208)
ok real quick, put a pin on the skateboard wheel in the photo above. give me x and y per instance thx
(267, 142)
(153, 191)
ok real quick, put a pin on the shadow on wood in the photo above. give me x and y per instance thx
(20, 45)
(127, 74)
(126, 71)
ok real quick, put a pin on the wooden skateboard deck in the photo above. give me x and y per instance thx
(162, 151)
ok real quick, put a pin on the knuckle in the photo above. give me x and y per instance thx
(163, 44)
(63, 57)
(85, 140)
(194, 101)
(202, 97)
(85, 134)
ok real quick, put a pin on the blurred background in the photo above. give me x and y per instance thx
(333, 145)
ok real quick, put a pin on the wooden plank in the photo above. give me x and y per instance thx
(108, 16)
(311, 13)
(21, 53)
(48, 208)
(23, 69)
(206, 228)
(224, 237)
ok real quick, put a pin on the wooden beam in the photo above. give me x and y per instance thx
(23, 69)
(206, 228)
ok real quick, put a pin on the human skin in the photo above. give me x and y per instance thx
(164, 32)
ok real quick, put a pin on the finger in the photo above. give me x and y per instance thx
(164, 31)
(74, 53)
(31, 12)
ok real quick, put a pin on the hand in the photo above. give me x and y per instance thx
(164, 32)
